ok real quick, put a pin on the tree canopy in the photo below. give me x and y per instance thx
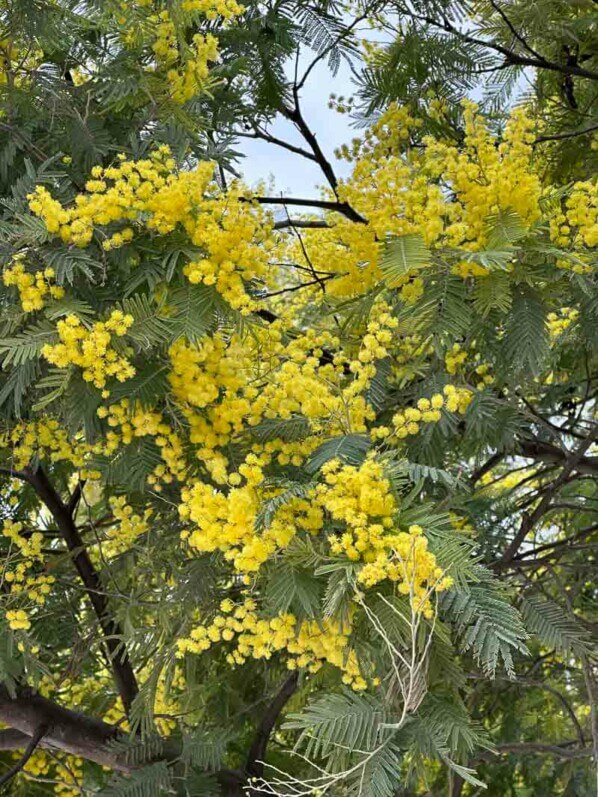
(298, 493)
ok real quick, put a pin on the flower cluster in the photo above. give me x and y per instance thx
(400, 193)
(226, 9)
(47, 438)
(558, 322)
(18, 620)
(127, 421)
(455, 358)
(91, 349)
(22, 573)
(453, 399)
(152, 194)
(577, 223)
(190, 78)
(406, 559)
(122, 535)
(306, 644)
(33, 288)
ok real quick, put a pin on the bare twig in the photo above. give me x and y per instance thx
(511, 56)
(563, 136)
(308, 224)
(529, 520)
(29, 751)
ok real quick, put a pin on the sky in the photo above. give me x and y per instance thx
(294, 175)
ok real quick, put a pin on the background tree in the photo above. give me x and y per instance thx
(332, 456)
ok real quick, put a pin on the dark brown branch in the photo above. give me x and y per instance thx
(263, 135)
(294, 115)
(306, 256)
(67, 730)
(75, 498)
(321, 55)
(538, 449)
(487, 466)
(77, 734)
(511, 56)
(563, 750)
(13, 740)
(257, 752)
(338, 207)
(308, 224)
(514, 31)
(122, 669)
(29, 751)
(568, 542)
(14, 474)
(571, 463)
(301, 285)
(564, 136)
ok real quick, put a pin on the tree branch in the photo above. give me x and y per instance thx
(308, 224)
(562, 750)
(338, 207)
(538, 449)
(14, 474)
(75, 498)
(571, 463)
(558, 548)
(67, 730)
(563, 136)
(486, 467)
(263, 135)
(13, 740)
(29, 751)
(511, 56)
(257, 752)
(122, 669)
(323, 53)
(513, 30)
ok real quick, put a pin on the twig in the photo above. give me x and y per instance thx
(318, 281)
(29, 751)
(348, 30)
(510, 55)
(563, 136)
(263, 135)
(75, 498)
(515, 33)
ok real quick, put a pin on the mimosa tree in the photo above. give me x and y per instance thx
(298, 494)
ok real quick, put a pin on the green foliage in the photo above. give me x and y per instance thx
(150, 781)
(401, 255)
(555, 627)
(486, 623)
(347, 720)
(350, 449)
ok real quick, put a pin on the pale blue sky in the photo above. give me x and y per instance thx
(294, 175)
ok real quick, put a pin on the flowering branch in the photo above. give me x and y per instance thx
(122, 668)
